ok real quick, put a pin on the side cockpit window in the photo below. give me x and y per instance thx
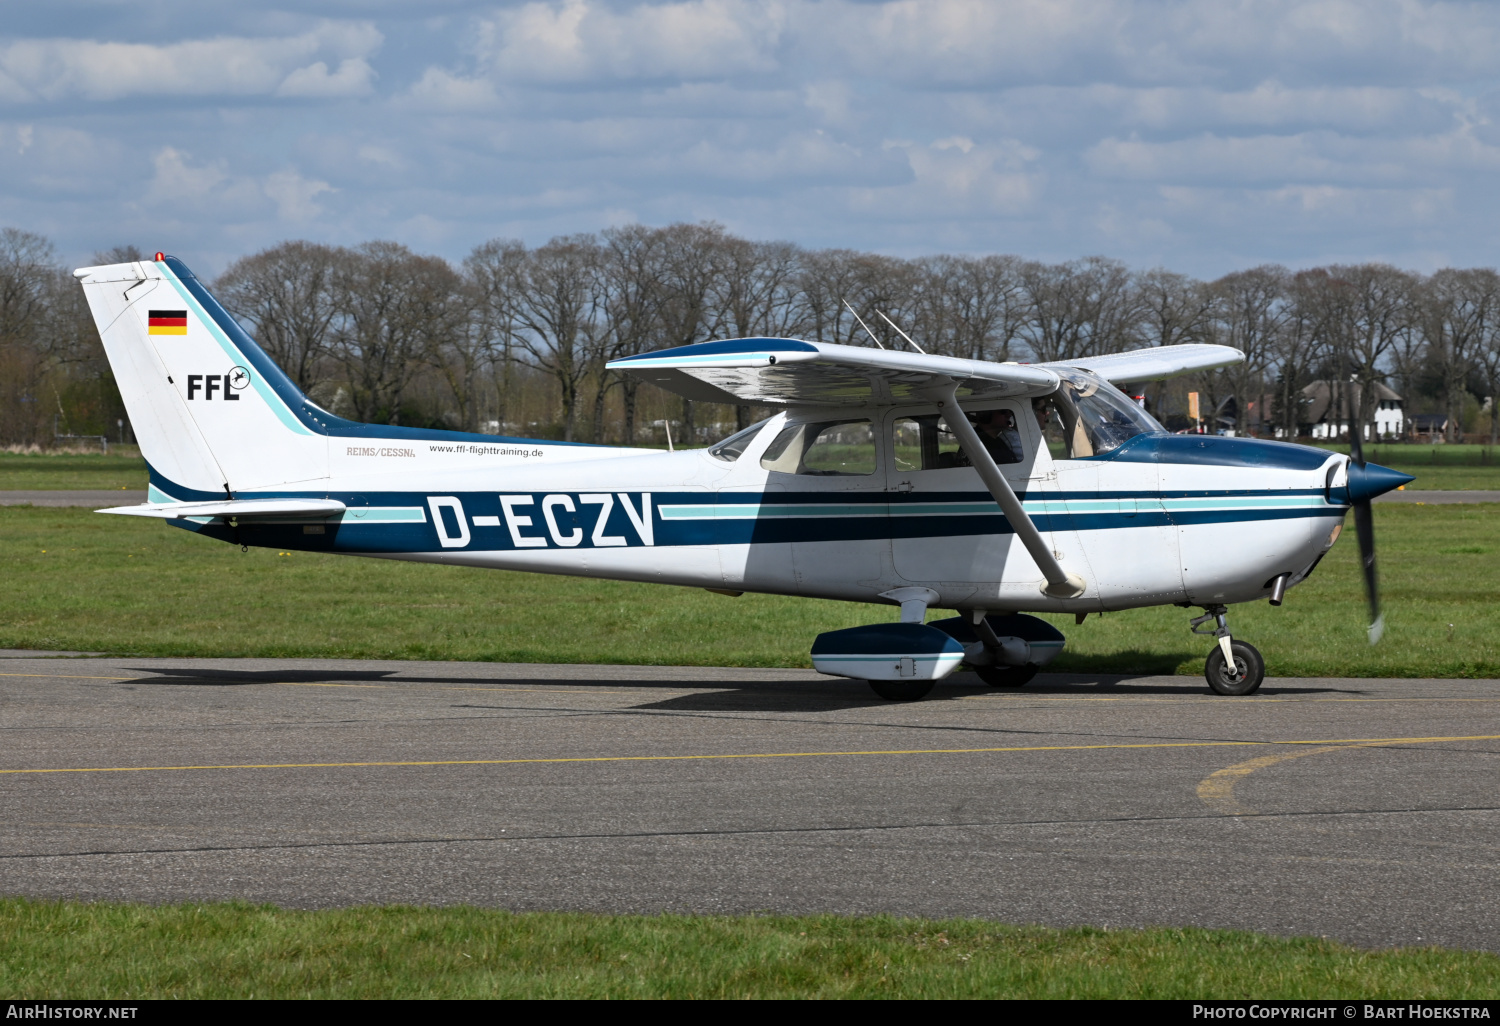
(837, 448)
(925, 443)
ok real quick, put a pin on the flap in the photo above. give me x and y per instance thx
(243, 509)
(1156, 363)
(790, 372)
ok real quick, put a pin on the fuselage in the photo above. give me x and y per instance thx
(1159, 519)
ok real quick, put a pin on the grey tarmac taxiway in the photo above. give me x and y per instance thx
(1364, 810)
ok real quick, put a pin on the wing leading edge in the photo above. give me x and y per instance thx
(1156, 363)
(792, 372)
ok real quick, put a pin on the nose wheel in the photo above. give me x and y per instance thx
(1243, 677)
(1233, 667)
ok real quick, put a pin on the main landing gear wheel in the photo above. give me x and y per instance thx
(902, 690)
(1245, 678)
(1007, 676)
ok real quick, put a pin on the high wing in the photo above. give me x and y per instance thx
(1155, 363)
(790, 372)
(239, 509)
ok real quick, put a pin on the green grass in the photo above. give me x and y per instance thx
(71, 472)
(80, 951)
(1448, 479)
(1438, 467)
(77, 580)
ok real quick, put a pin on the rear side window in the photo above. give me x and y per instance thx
(836, 448)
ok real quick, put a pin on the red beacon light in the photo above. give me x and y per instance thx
(160, 257)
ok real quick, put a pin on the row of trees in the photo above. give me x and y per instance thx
(516, 339)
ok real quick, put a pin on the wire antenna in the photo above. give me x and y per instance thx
(862, 324)
(903, 334)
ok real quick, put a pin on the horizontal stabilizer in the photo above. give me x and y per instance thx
(1156, 363)
(240, 509)
(791, 372)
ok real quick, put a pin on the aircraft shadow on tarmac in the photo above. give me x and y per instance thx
(797, 695)
(802, 696)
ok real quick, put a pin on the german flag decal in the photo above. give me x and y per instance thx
(167, 322)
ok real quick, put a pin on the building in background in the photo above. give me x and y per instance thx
(1320, 419)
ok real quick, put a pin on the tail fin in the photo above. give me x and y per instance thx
(213, 414)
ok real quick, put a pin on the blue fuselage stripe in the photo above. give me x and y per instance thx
(397, 522)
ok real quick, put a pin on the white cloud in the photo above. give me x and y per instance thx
(1302, 158)
(294, 195)
(59, 69)
(1202, 135)
(182, 187)
(440, 89)
(957, 174)
(354, 77)
(585, 40)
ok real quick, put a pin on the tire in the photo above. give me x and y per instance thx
(902, 690)
(1007, 676)
(1249, 664)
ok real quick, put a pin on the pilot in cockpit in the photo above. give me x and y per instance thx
(999, 436)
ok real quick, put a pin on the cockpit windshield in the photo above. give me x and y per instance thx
(1093, 417)
(733, 447)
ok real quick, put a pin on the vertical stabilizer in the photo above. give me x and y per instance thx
(211, 412)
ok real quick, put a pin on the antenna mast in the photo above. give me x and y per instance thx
(862, 324)
(903, 334)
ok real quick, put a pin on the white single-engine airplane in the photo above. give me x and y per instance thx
(889, 477)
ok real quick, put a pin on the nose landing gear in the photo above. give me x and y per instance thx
(1233, 667)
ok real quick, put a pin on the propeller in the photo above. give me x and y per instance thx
(1367, 480)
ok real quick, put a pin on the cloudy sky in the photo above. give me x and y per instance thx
(1199, 136)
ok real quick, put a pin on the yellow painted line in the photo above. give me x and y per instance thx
(1217, 789)
(752, 755)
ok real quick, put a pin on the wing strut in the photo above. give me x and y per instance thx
(1060, 583)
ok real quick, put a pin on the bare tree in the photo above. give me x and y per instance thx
(560, 314)
(1380, 305)
(1297, 346)
(1459, 312)
(1247, 311)
(493, 272)
(980, 303)
(394, 308)
(1080, 308)
(287, 297)
(755, 294)
(633, 284)
(27, 268)
(690, 257)
(118, 255)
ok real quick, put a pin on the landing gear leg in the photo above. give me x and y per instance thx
(1233, 667)
(997, 676)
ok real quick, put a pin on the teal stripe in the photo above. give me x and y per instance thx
(384, 515)
(725, 359)
(746, 511)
